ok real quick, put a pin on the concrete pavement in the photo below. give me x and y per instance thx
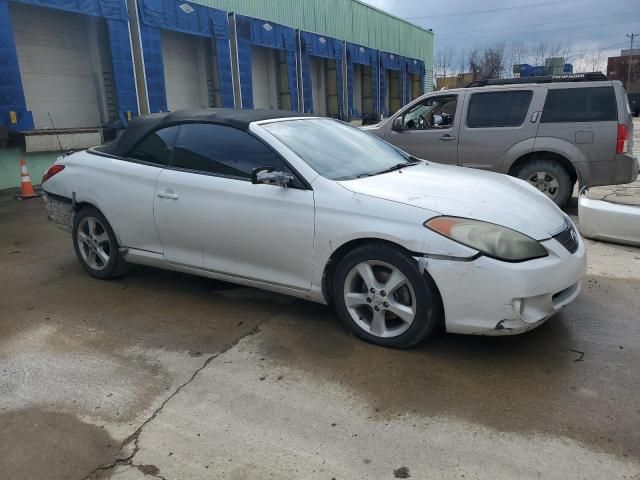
(165, 375)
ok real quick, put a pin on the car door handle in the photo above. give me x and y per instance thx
(447, 138)
(170, 195)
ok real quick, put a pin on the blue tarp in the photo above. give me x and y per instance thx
(363, 56)
(12, 97)
(11, 91)
(253, 31)
(189, 18)
(314, 45)
(413, 67)
(390, 61)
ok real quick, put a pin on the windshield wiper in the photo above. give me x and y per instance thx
(397, 166)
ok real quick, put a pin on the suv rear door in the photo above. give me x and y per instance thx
(498, 125)
(580, 115)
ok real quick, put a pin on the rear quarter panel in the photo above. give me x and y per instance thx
(123, 191)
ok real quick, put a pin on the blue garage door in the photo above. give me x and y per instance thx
(188, 18)
(319, 46)
(253, 32)
(13, 106)
(366, 83)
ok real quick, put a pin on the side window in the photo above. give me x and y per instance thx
(156, 148)
(498, 109)
(432, 113)
(222, 150)
(590, 104)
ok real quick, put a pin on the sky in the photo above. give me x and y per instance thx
(592, 26)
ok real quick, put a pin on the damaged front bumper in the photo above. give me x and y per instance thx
(60, 210)
(608, 221)
(489, 297)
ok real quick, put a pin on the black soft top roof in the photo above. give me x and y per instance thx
(140, 127)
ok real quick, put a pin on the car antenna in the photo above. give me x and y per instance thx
(54, 127)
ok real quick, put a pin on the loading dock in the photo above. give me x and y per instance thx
(67, 65)
(391, 82)
(267, 66)
(414, 79)
(186, 55)
(322, 74)
(362, 82)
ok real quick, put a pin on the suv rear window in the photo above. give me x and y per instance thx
(589, 104)
(498, 109)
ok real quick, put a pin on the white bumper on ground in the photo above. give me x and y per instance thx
(490, 297)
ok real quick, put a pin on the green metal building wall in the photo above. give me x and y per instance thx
(349, 20)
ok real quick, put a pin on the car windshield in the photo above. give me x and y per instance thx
(336, 150)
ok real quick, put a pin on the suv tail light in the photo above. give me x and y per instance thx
(51, 171)
(623, 139)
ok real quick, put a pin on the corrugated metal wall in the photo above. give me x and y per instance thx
(348, 20)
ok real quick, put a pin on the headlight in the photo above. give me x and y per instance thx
(492, 240)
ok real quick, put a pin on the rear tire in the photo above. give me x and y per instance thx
(382, 297)
(96, 245)
(550, 178)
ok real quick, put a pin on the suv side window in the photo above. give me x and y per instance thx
(431, 113)
(156, 148)
(498, 109)
(222, 150)
(589, 104)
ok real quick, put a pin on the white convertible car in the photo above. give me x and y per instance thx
(317, 209)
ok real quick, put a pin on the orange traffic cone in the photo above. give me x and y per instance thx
(25, 183)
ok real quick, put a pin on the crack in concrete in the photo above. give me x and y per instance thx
(135, 436)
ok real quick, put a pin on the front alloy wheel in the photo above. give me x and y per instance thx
(383, 298)
(380, 299)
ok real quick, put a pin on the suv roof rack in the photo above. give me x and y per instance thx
(565, 77)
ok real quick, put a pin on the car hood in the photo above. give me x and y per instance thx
(464, 192)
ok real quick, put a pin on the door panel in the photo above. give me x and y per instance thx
(185, 70)
(231, 226)
(494, 121)
(435, 144)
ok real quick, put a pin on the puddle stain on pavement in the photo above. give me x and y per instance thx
(51, 445)
(528, 383)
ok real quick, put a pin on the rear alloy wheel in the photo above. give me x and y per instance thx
(550, 178)
(383, 298)
(95, 244)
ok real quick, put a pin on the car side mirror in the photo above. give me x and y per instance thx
(398, 124)
(269, 176)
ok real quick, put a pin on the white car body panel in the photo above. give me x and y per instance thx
(234, 227)
(471, 193)
(282, 239)
(608, 221)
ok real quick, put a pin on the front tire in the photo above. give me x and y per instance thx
(550, 178)
(382, 297)
(96, 245)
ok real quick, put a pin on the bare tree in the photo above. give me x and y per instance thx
(566, 49)
(520, 52)
(555, 48)
(539, 50)
(492, 61)
(444, 61)
(475, 63)
(579, 64)
(595, 60)
(462, 61)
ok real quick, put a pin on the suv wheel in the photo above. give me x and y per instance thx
(550, 178)
(382, 297)
(95, 245)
